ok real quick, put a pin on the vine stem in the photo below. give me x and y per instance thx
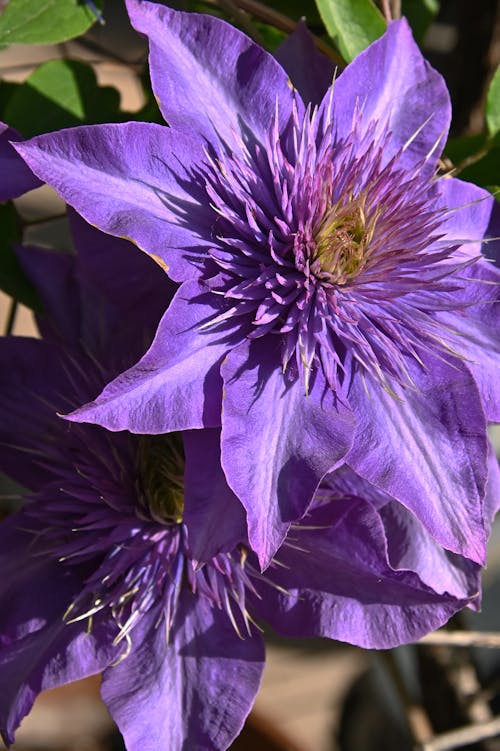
(239, 15)
(446, 638)
(463, 736)
(471, 159)
(418, 722)
(283, 23)
(396, 8)
(11, 318)
(386, 8)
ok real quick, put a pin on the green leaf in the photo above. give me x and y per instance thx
(270, 36)
(420, 14)
(352, 24)
(44, 21)
(485, 171)
(7, 88)
(13, 280)
(493, 105)
(458, 149)
(477, 157)
(62, 93)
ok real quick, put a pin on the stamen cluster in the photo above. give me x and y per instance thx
(335, 247)
(127, 538)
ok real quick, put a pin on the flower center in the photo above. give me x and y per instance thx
(342, 240)
(340, 250)
(161, 472)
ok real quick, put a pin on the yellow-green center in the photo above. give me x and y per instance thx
(161, 469)
(342, 240)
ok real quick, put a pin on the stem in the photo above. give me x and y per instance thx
(456, 701)
(463, 736)
(11, 318)
(472, 159)
(242, 18)
(283, 23)
(447, 638)
(386, 7)
(396, 8)
(418, 722)
(89, 44)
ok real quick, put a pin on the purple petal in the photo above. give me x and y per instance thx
(17, 178)
(51, 657)
(194, 693)
(83, 297)
(133, 180)
(340, 584)
(82, 318)
(53, 275)
(177, 384)
(209, 77)
(148, 291)
(427, 448)
(277, 443)
(477, 331)
(21, 564)
(409, 545)
(28, 409)
(492, 494)
(411, 548)
(469, 212)
(391, 84)
(310, 71)
(38, 649)
(491, 247)
(212, 513)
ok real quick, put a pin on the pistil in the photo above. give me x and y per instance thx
(342, 241)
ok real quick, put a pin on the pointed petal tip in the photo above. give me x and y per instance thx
(31, 153)
(477, 552)
(134, 9)
(96, 413)
(400, 89)
(78, 415)
(21, 178)
(266, 551)
(7, 736)
(399, 25)
(24, 148)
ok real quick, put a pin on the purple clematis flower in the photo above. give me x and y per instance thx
(16, 177)
(130, 556)
(102, 530)
(334, 308)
